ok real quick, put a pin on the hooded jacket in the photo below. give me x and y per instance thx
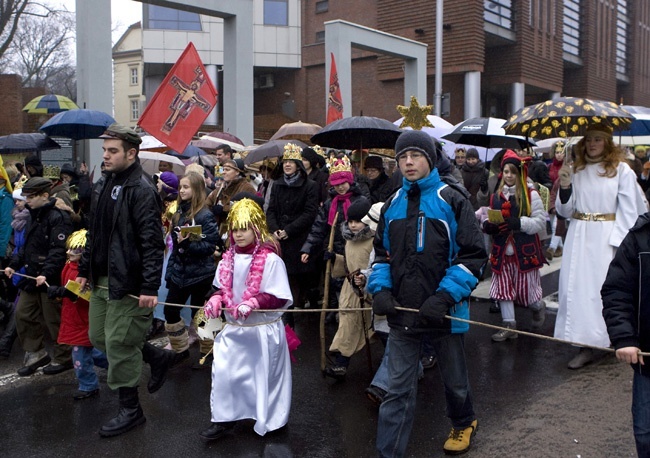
(427, 240)
(626, 292)
(135, 244)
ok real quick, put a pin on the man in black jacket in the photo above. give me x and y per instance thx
(43, 257)
(626, 309)
(123, 259)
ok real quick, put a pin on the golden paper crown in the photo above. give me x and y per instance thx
(341, 165)
(320, 151)
(53, 172)
(292, 152)
(246, 213)
(77, 239)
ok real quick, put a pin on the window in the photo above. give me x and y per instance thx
(135, 110)
(498, 12)
(571, 28)
(320, 36)
(134, 75)
(322, 6)
(622, 30)
(159, 17)
(276, 12)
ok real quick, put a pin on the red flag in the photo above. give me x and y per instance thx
(182, 102)
(334, 103)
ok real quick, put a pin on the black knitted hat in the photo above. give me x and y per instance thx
(416, 140)
(311, 156)
(358, 209)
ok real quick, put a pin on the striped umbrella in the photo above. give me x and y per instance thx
(50, 103)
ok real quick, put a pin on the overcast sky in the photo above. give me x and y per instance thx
(124, 13)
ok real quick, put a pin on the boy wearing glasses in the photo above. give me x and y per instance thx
(436, 257)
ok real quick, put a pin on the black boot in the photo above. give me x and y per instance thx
(129, 416)
(9, 335)
(160, 361)
(216, 430)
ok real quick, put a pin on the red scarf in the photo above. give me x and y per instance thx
(345, 198)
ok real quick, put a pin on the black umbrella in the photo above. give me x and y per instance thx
(358, 132)
(273, 148)
(486, 132)
(25, 143)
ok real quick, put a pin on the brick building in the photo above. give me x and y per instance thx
(520, 52)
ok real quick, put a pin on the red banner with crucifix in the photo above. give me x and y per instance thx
(334, 102)
(182, 102)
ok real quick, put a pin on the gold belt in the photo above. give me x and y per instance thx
(594, 216)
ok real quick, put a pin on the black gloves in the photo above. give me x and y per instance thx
(514, 223)
(435, 308)
(55, 292)
(383, 303)
(484, 183)
(327, 255)
(491, 228)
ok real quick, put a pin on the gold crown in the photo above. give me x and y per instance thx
(19, 184)
(319, 150)
(341, 165)
(53, 172)
(292, 152)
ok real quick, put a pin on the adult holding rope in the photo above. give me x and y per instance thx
(436, 256)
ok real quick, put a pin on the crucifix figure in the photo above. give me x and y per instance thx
(186, 99)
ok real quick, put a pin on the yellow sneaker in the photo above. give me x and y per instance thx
(459, 439)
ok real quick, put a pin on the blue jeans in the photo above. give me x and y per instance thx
(380, 380)
(641, 413)
(85, 359)
(397, 411)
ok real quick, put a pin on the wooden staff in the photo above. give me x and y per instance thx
(326, 294)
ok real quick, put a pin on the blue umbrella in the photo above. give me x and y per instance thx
(190, 151)
(77, 124)
(640, 124)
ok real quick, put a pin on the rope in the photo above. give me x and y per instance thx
(404, 309)
(30, 277)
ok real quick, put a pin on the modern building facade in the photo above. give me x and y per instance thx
(498, 55)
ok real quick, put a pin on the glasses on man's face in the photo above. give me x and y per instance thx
(413, 155)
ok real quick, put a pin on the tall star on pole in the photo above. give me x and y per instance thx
(415, 115)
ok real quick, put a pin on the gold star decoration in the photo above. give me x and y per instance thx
(415, 116)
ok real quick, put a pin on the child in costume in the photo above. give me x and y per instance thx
(74, 323)
(251, 373)
(516, 250)
(355, 327)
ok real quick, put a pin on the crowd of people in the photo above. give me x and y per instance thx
(92, 261)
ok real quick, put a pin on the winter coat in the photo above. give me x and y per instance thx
(6, 206)
(318, 237)
(626, 292)
(191, 260)
(539, 173)
(44, 250)
(473, 176)
(554, 170)
(135, 246)
(74, 314)
(380, 188)
(427, 240)
(293, 208)
(61, 190)
(321, 178)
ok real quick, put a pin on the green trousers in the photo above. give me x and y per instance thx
(30, 310)
(118, 328)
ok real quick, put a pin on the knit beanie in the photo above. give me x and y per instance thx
(358, 209)
(171, 182)
(373, 162)
(510, 157)
(372, 217)
(310, 155)
(416, 140)
(471, 152)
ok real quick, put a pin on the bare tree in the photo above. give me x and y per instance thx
(41, 49)
(11, 13)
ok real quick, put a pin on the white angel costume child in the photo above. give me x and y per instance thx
(251, 372)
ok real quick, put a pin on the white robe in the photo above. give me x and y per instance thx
(590, 247)
(251, 372)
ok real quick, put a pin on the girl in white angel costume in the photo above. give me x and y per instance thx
(251, 373)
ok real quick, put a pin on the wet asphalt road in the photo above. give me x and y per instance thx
(528, 405)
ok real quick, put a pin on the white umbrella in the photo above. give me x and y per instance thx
(151, 143)
(212, 142)
(150, 161)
